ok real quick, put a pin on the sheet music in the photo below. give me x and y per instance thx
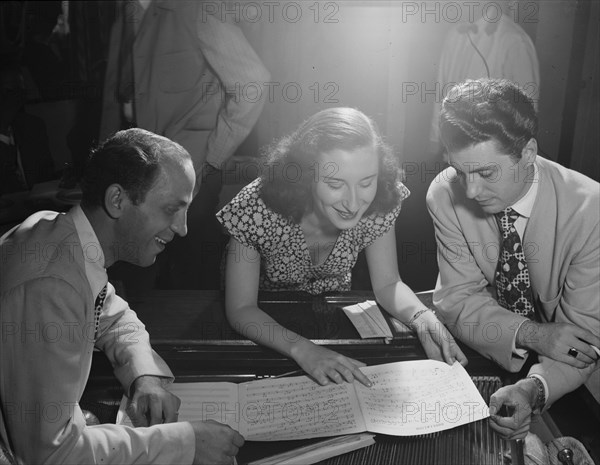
(419, 397)
(407, 398)
(208, 401)
(297, 408)
(199, 401)
(368, 319)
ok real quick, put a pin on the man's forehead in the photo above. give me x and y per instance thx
(171, 183)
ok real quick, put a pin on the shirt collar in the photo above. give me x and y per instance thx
(524, 206)
(93, 256)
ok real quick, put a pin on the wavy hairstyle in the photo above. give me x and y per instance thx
(131, 158)
(480, 110)
(292, 168)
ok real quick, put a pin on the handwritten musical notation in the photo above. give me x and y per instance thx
(407, 398)
(298, 408)
(419, 397)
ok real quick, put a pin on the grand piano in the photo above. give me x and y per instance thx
(189, 330)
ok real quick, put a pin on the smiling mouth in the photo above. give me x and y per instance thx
(160, 241)
(346, 215)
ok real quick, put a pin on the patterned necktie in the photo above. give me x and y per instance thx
(98, 309)
(512, 276)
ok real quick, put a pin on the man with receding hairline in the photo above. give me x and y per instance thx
(58, 304)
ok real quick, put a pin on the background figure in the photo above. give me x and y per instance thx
(24, 153)
(84, 28)
(304, 233)
(494, 46)
(179, 71)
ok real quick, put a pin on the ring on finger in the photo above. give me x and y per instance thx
(573, 352)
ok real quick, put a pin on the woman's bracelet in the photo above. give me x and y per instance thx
(417, 315)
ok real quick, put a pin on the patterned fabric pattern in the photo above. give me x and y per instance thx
(281, 247)
(98, 309)
(513, 286)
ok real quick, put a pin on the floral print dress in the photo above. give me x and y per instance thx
(281, 247)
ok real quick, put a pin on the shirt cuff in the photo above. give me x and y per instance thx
(521, 353)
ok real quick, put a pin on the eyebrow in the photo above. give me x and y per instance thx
(331, 178)
(177, 203)
(476, 170)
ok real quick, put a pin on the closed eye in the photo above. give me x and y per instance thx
(366, 183)
(486, 174)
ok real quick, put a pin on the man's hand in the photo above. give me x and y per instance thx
(437, 341)
(554, 340)
(151, 404)
(216, 444)
(324, 365)
(518, 400)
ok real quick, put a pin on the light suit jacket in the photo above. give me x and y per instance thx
(562, 247)
(197, 80)
(49, 281)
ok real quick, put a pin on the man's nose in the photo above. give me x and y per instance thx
(473, 187)
(179, 226)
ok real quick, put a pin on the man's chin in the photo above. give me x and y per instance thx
(149, 262)
(490, 208)
(145, 262)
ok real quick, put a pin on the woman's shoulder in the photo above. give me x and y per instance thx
(379, 217)
(248, 211)
(378, 223)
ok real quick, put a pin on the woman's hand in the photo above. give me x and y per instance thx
(437, 340)
(325, 365)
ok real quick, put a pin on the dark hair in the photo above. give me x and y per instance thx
(131, 158)
(480, 110)
(291, 162)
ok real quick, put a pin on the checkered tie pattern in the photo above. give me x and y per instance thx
(98, 309)
(513, 286)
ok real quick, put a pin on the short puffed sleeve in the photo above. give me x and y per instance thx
(372, 227)
(248, 219)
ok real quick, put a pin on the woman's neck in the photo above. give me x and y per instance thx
(316, 225)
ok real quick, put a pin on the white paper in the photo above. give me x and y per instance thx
(298, 408)
(406, 399)
(419, 397)
(200, 401)
(368, 319)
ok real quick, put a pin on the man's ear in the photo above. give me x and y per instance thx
(115, 200)
(529, 152)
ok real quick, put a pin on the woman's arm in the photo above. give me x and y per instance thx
(402, 303)
(244, 315)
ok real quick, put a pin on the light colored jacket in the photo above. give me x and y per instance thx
(49, 280)
(562, 247)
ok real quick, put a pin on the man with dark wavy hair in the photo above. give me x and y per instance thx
(56, 306)
(518, 249)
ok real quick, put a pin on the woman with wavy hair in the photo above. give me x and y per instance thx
(329, 190)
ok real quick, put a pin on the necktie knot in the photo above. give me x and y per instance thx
(506, 218)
